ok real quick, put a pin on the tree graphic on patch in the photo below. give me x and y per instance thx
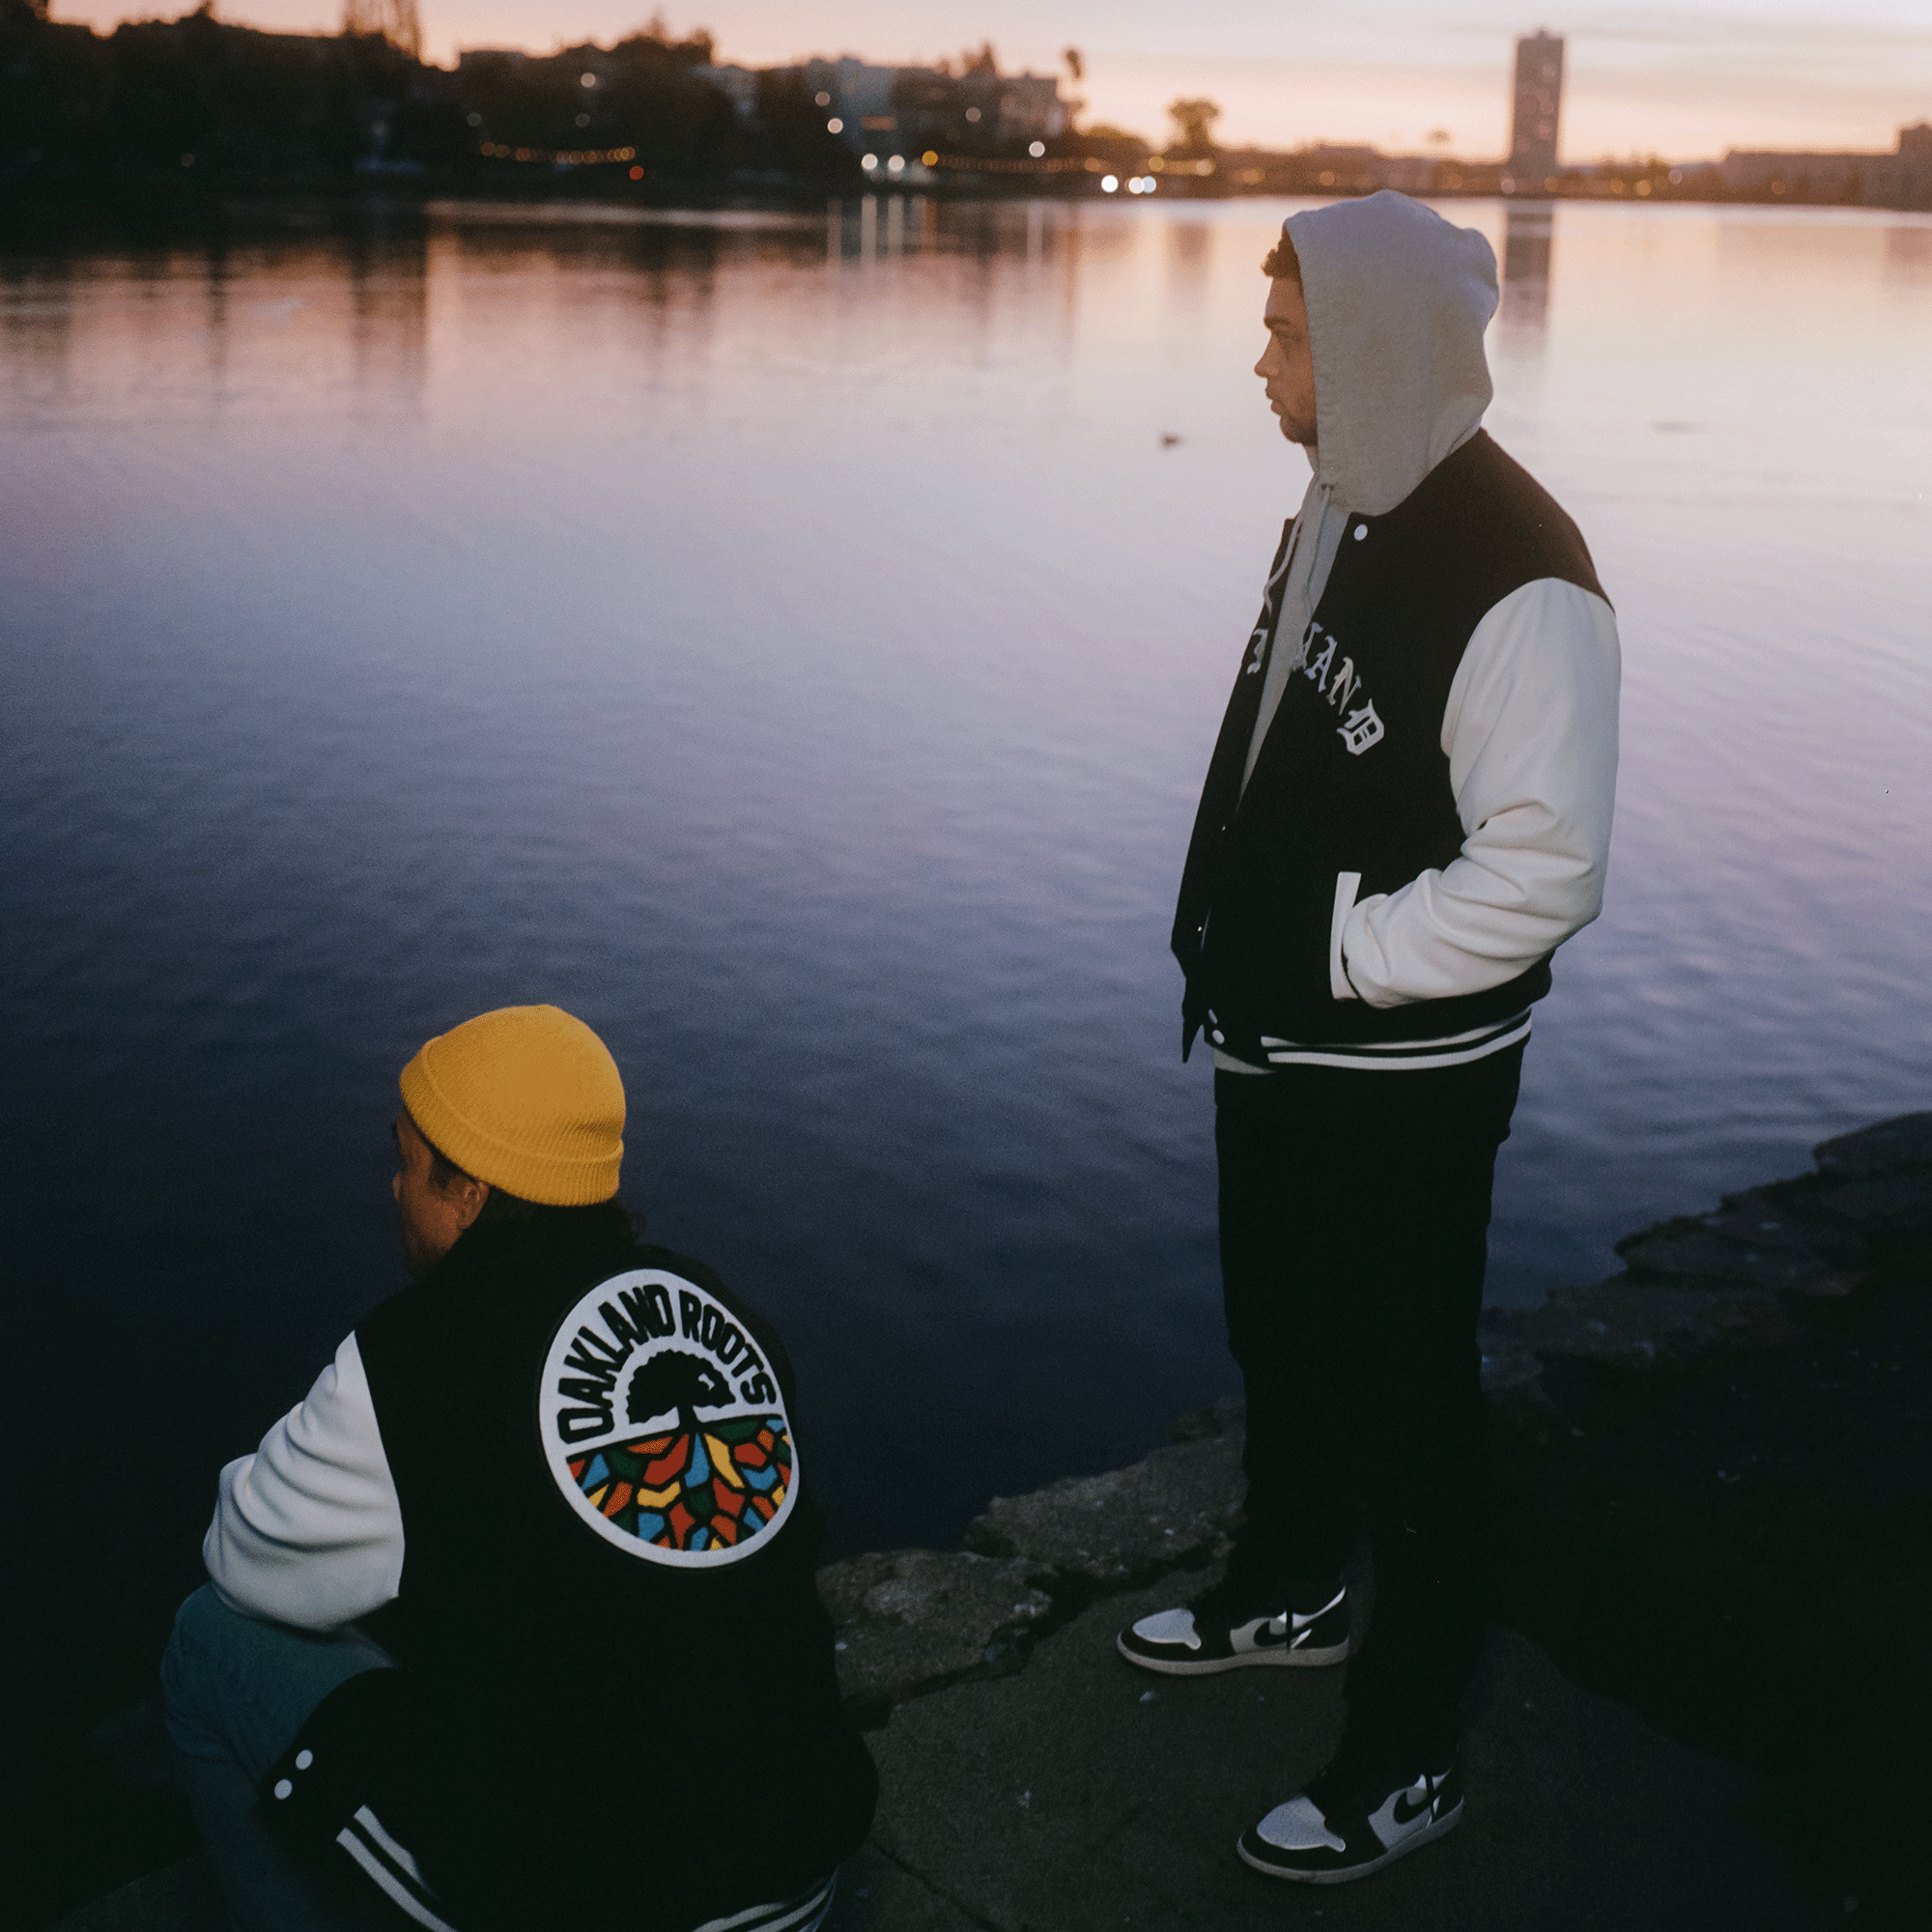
(664, 1425)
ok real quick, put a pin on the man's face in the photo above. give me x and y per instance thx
(1287, 366)
(431, 1217)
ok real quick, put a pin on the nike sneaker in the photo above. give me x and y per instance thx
(1346, 1825)
(1217, 1632)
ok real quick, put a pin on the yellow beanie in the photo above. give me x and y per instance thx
(526, 1098)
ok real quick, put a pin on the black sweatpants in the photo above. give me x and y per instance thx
(1355, 1221)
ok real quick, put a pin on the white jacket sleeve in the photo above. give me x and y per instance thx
(1530, 731)
(308, 1530)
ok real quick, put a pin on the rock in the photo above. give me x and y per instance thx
(1758, 1239)
(1510, 1367)
(1200, 1425)
(1903, 1142)
(1883, 1205)
(1639, 1325)
(1090, 1536)
(1678, 1539)
(1731, 1280)
(911, 1620)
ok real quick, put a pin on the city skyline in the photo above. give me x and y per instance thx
(1683, 82)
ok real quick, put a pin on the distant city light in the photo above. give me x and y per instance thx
(475, 119)
(894, 166)
(1109, 182)
(637, 174)
(972, 114)
(835, 125)
(823, 99)
(1148, 184)
(1036, 149)
(929, 159)
(587, 80)
(869, 162)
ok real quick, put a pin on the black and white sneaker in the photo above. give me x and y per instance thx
(1343, 1827)
(1217, 1632)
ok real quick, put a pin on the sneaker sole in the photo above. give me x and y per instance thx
(1425, 1836)
(1208, 1667)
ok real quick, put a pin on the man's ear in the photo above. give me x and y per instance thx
(469, 1196)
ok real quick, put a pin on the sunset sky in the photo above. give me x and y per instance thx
(1684, 82)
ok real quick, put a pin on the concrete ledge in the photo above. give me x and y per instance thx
(1085, 1794)
(910, 1621)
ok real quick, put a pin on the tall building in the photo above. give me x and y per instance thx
(1539, 97)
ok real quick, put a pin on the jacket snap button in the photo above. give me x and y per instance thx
(1361, 530)
(283, 1788)
(303, 1759)
(1219, 1038)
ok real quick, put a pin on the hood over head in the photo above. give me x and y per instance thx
(1398, 299)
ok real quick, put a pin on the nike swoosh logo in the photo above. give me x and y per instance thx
(1267, 1637)
(1294, 1629)
(1406, 1813)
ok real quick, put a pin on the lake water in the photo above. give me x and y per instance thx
(794, 644)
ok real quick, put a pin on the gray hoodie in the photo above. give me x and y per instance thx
(1398, 300)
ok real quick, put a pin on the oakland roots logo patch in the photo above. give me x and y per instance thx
(663, 1423)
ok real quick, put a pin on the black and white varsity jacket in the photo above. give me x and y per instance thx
(1429, 816)
(558, 1480)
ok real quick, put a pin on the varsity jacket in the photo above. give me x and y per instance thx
(1428, 814)
(559, 1479)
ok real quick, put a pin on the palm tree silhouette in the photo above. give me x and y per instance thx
(675, 1379)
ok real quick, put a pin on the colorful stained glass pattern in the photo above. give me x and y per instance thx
(712, 1488)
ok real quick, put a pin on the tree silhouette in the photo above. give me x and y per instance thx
(1194, 124)
(674, 1379)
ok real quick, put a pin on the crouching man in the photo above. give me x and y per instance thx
(511, 1622)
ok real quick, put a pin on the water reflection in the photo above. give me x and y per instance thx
(1190, 259)
(1907, 252)
(37, 301)
(1528, 238)
(880, 225)
(808, 672)
(389, 318)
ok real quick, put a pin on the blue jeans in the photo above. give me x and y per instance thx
(236, 1691)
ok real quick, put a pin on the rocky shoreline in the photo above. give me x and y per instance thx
(1752, 1276)
(1714, 1473)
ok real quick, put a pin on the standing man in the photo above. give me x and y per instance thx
(512, 1622)
(1407, 812)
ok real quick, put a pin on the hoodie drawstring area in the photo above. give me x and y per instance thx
(1317, 536)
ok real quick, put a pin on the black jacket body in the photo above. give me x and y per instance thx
(1353, 776)
(578, 1734)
